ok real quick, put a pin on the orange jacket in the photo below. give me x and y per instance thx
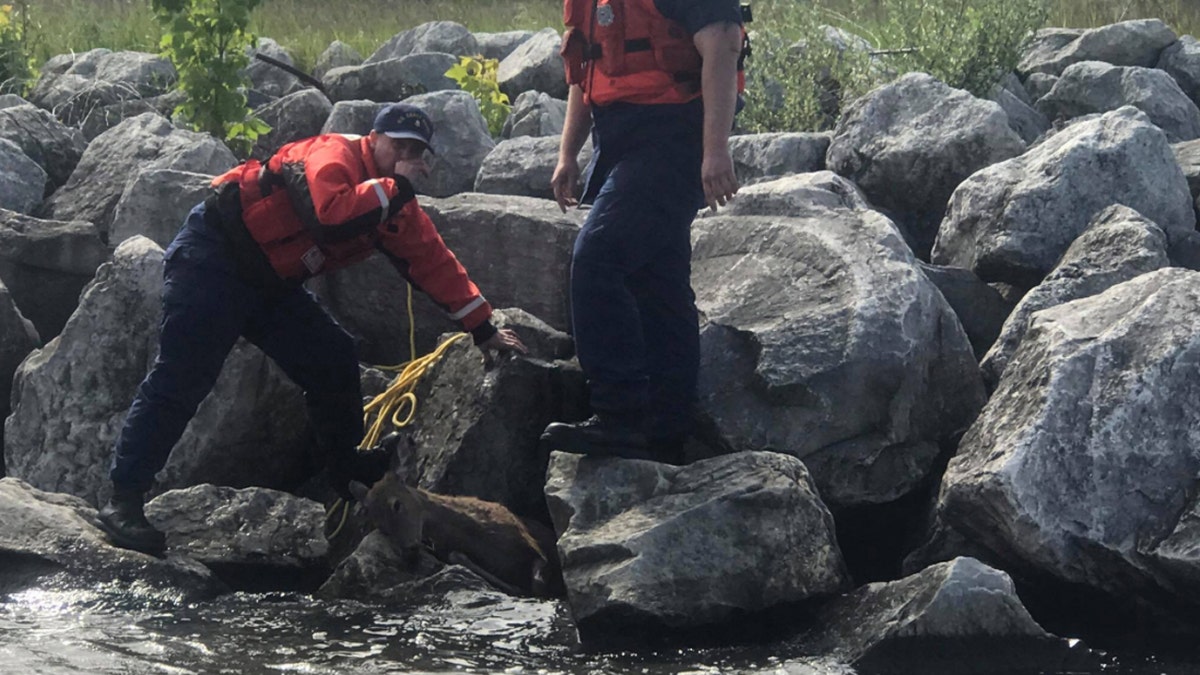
(626, 50)
(320, 204)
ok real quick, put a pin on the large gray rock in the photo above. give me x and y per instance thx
(436, 36)
(292, 118)
(352, 117)
(337, 55)
(22, 180)
(11, 101)
(1013, 221)
(113, 159)
(821, 338)
(1040, 84)
(1095, 87)
(910, 143)
(49, 539)
(1083, 466)
(56, 147)
(391, 80)
(517, 249)
(523, 166)
(796, 195)
(100, 119)
(535, 113)
(101, 78)
(880, 625)
(45, 264)
(499, 45)
(534, 66)
(1117, 246)
(460, 138)
(155, 204)
(633, 533)
(269, 79)
(376, 572)
(70, 397)
(980, 308)
(1188, 156)
(760, 156)
(1128, 43)
(1022, 117)
(272, 537)
(1182, 62)
(18, 338)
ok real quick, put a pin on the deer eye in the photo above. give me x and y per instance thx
(395, 505)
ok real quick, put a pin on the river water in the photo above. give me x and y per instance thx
(113, 631)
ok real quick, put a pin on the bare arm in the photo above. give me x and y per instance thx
(575, 133)
(719, 45)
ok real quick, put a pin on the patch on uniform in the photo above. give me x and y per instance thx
(605, 15)
(313, 259)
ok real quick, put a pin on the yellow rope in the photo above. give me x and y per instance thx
(397, 398)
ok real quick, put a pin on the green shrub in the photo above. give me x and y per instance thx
(207, 40)
(16, 67)
(803, 70)
(477, 76)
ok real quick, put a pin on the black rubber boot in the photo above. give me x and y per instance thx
(597, 436)
(124, 521)
(365, 466)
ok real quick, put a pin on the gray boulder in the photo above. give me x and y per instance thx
(56, 147)
(436, 36)
(155, 204)
(1083, 466)
(18, 338)
(1013, 85)
(1118, 245)
(633, 533)
(22, 180)
(1022, 117)
(523, 166)
(113, 159)
(1094, 87)
(980, 308)
(11, 101)
(499, 45)
(802, 353)
(376, 572)
(1188, 156)
(928, 616)
(535, 113)
(337, 55)
(517, 249)
(51, 538)
(391, 80)
(100, 119)
(1040, 84)
(269, 79)
(45, 264)
(796, 195)
(461, 140)
(1013, 221)
(268, 538)
(352, 117)
(292, 118)
(70, 397)
(1182, 62)
(100, 78)
(1128, 43)
(910, 143)
(761, 156)
(534, 66)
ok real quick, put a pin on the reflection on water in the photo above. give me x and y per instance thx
(109, 631)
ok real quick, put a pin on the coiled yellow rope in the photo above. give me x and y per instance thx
(398, 398)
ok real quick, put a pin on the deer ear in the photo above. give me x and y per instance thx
(359, 491)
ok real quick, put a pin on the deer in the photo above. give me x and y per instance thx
(515, 555)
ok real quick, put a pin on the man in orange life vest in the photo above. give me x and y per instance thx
(236, 269)
(660, 79)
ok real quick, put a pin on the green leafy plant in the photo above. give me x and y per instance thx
(16, 63)
(477, 76)
(208, 42)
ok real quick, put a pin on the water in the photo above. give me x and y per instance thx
(109, 631)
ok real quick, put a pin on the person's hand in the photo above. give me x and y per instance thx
(412, 169)
(720, 183)
(566, 177)
(505, 340)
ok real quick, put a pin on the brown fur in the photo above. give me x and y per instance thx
(487, 533)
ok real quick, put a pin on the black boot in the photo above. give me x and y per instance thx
(124, 521)
(365, 466)
(599, 436)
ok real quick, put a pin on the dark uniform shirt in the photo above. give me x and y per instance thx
(620, 128)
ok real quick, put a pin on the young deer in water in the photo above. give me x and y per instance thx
(483, 536)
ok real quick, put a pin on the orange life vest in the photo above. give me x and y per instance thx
(626, 50)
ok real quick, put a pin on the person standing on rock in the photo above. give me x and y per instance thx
(236, 269)
(657, 83)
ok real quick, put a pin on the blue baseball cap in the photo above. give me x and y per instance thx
(402, 120)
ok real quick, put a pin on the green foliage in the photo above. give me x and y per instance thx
(16, 67)
(808, 61)
(477, 77)
(207, 40)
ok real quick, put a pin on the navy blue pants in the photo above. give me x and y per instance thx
(206, 308)
(633, 309)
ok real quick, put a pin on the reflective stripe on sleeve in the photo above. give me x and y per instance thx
(383, 200)
(471, 306)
